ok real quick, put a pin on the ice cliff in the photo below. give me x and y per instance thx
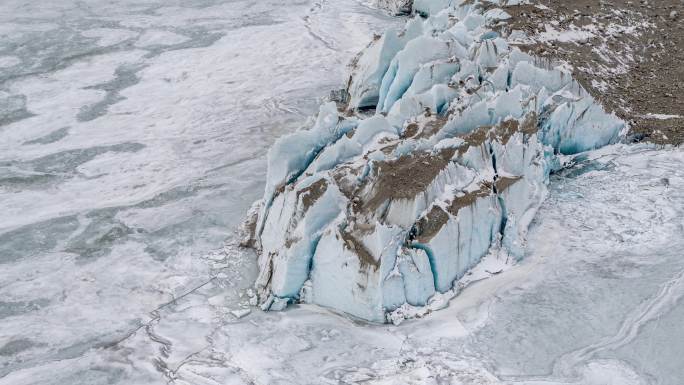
(439, 149)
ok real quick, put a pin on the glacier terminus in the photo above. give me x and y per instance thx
(436, 154)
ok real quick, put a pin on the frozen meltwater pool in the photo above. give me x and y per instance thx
(132, 141)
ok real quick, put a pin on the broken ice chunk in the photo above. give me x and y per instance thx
(377, 216)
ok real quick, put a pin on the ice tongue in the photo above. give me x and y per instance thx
(374, 214)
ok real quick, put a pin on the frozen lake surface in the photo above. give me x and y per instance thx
(132, 142)
(133, 137)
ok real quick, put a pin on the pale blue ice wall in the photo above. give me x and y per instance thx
(365, 214)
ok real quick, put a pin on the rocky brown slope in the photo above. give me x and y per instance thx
(627, 54)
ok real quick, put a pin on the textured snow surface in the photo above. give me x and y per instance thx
(374, 215)
(597, 300)
(133, 137)
(395, 7)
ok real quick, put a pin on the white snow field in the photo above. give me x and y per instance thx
(133, 138)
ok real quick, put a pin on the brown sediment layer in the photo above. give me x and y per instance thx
(468, 199)
(433, 126)
(366, 259)
(310, 194)
(425, 129)
(506, 129)
(475, 138)
(405, 177)
(291, 241)
(503, 183)
(410, 131)
(502, 132)
(428, 226)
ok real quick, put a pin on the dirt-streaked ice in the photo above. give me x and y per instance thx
(375, 215)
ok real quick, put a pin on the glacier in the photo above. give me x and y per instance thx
(436, 154)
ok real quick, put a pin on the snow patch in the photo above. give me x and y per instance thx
(661, 116)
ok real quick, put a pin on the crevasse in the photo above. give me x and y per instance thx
(439, 149)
